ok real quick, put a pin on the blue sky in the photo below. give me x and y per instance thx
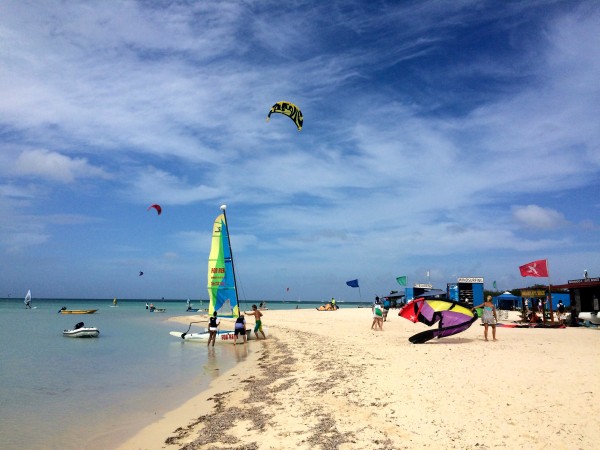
(460, 138)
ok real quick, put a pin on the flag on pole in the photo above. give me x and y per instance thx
(495, 286)
(352, 283)
(401, 280)
(537, 268)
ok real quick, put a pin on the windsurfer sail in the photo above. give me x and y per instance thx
(27, 300)
(222, 288)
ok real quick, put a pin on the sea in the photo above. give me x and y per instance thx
(58, 392)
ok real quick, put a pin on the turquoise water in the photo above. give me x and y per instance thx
(60, 392)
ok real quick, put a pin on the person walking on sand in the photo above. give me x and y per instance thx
(240, 328)
(377, 315)
(489, 317)
(257, 321)
(213, 326)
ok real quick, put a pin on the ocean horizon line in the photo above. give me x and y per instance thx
(174, 300)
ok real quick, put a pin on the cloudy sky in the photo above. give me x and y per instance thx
(460, 138)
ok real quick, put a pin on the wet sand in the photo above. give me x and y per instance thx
(326, 380)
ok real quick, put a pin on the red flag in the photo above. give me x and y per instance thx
(537, 268)
(412, 309)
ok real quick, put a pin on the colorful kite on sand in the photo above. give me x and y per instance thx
(453, 317)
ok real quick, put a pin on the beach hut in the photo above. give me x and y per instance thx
(507, 301)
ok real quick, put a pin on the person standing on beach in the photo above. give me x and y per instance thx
(240, 328)
(257, 321)
(377, 315)
(489, 317)
(213, 326)
(386, 307)
(561, 313)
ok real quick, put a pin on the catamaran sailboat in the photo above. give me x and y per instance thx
(222, 287)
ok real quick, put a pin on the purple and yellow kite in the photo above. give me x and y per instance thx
(453, 317)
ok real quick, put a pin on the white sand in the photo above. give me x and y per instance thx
(326, 380)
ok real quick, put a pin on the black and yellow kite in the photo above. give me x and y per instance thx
(290, 110)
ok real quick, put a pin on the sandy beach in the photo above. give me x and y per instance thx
(325, 380)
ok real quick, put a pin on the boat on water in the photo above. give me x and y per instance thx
(64, 310)
(152, 308)
(27, 300)
(221, 283)
(81, 331)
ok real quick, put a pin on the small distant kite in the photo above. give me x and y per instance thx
(141, 273)
(290, 110)
(453, 317)
(156, 207)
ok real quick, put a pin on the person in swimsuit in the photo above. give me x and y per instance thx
(258, 323)
(240, 328)
(489, 317)
(213, 326)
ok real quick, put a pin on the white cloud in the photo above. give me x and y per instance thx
(55, 166)
(533, 216)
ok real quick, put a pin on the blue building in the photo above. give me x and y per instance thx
(466, 289)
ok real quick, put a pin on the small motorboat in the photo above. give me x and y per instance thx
(81, 330)
(64, 310)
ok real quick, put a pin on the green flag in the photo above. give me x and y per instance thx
(401, 280)
(495, 287)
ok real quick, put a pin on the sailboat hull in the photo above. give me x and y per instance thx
(222, 336)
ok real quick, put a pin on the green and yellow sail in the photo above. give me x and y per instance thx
(222, 291)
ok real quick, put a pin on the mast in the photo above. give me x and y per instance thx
(549, 294)
(223, 208)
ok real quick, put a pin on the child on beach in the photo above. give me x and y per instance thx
(489, 317)
(213, 325)
(258, 322)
